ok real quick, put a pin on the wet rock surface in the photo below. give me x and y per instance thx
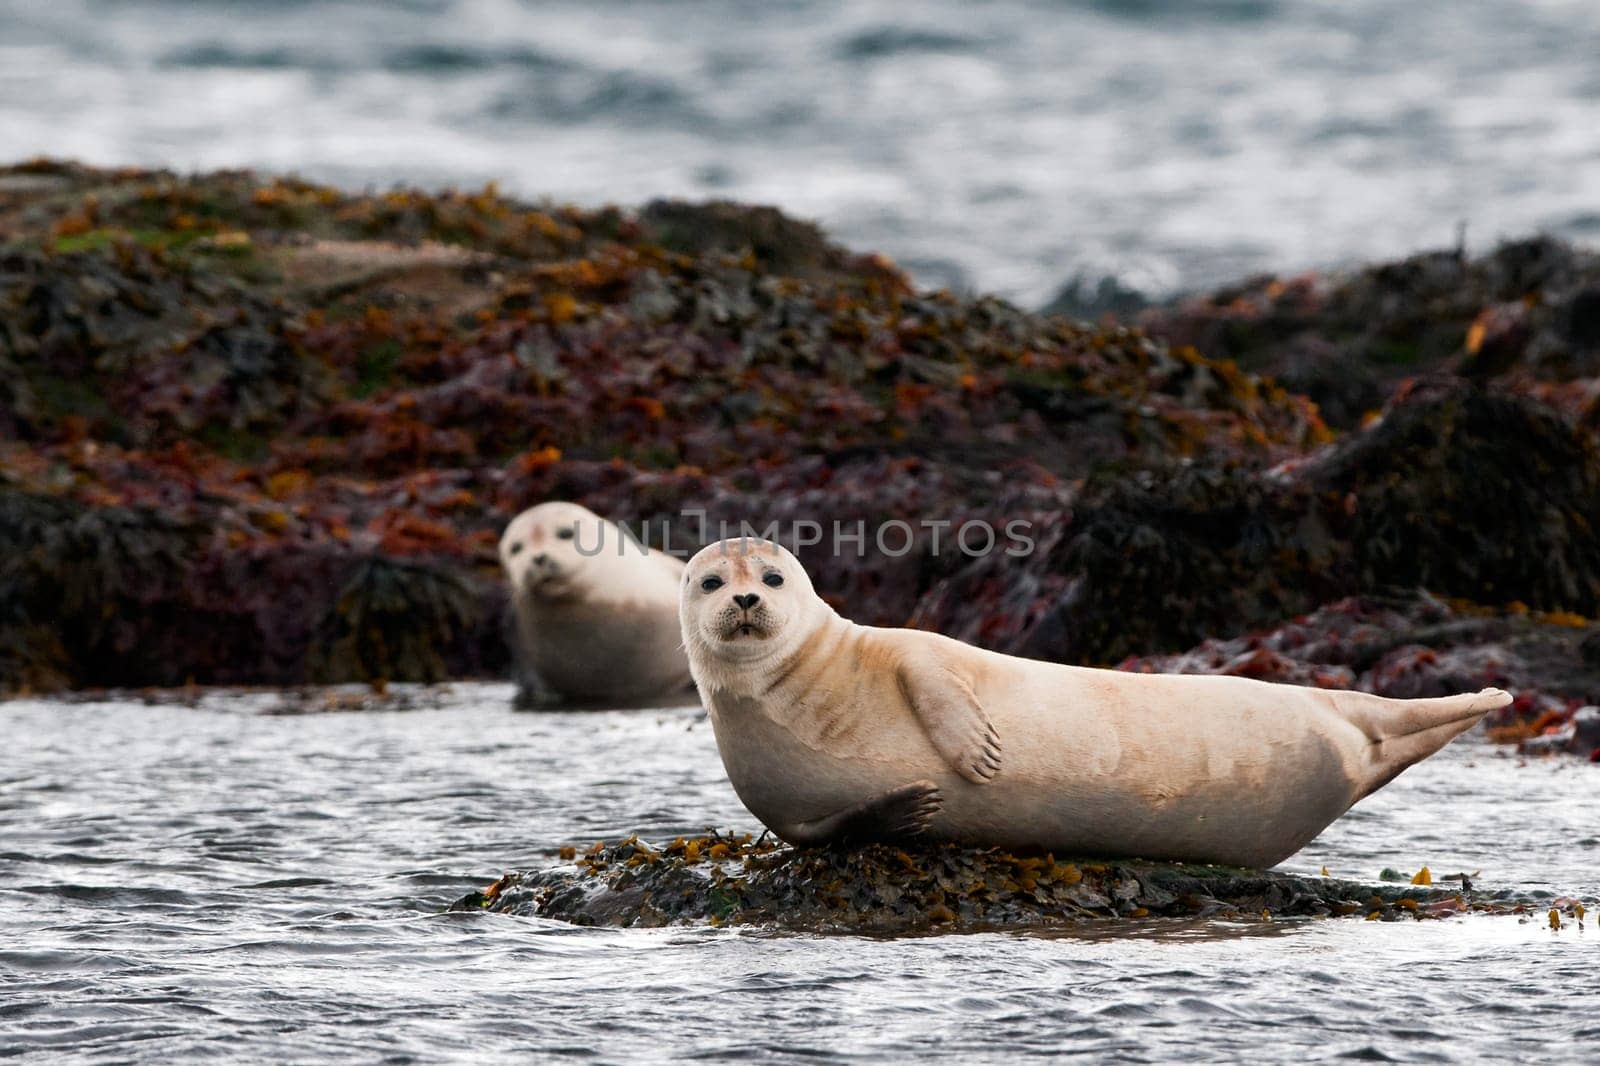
(886, 890)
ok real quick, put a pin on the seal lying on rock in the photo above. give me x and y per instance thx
(596, 612)
(835, 731)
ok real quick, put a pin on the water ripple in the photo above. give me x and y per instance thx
(306, 923)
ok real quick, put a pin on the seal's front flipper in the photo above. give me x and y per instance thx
(954, 720)
(893, 815)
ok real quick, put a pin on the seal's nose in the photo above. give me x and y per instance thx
(541, 559)
(747, 601)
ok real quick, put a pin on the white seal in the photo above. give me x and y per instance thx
(596, 611)
(831, 730)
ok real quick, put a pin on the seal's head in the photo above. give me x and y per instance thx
(745, 602)
(550, 551)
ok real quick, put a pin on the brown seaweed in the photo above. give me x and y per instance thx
(268, 431)
(721, 879)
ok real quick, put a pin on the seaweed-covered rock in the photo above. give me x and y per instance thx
(1348, 340)
(232, 308)
(881, 889)
(133, 346)
(78, 586)
(103, 596)
(347, 396)
(777, 243)
(1464, 492)
(395, 620)
(1416, 645)
(283, 425)
(1467, 493)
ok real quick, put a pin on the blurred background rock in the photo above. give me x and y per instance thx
(258, 428)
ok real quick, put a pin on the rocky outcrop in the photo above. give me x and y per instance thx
(1527, 315)
(256, 430)
(885, 890)
(341, 399)
(1467, 493)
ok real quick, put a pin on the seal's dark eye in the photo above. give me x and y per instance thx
(711, 584)
(566, 533)
(772, 580)
(516, 549)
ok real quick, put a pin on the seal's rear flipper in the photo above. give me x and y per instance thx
(1404, 732)
(893, 815)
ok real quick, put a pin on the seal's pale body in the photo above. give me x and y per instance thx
(596, 612)
(831, 729)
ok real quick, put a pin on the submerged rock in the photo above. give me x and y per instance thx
(886, 890)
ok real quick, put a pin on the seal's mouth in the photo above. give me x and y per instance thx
(545, 583)
(736, 629)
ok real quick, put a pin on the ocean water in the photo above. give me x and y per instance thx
(1009, 145)
(207, 881)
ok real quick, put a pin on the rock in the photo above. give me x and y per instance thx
(1581, 321)
(1466, 492)
(1437, 494)
(1496, 341)
(778, 243)
(274, 430)
(885, 890)
(137, 596)
(1349, 340)
(1415, 645)
(79, 585)
(1590, 649)
(354, 392)
(1095, 299)
(395, 620)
